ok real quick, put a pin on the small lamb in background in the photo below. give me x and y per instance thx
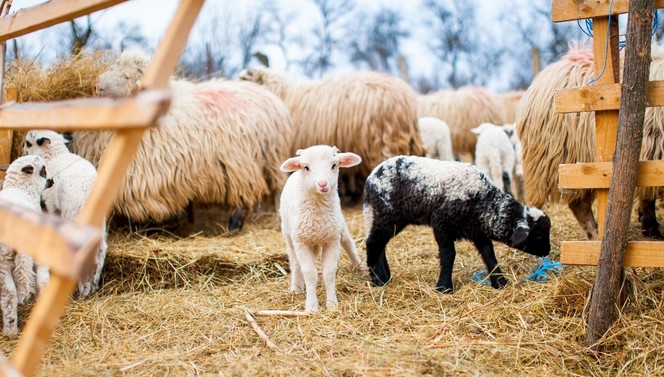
(24, 183)
(73, 178)
(436, 137)
(311, 220)
(458, 202)
(495, 155)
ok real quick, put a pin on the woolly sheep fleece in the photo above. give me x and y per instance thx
(463, 109)
(372, 114)
(550, 139)
(221, 142)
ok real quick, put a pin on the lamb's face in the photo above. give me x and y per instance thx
(38, 142)
(117, 83)
(31, 169)
(319, 167)
(538, 241)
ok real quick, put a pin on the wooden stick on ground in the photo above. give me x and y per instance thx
(259, 331)
(285, 313)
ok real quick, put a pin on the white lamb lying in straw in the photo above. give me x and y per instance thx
(24, 183)
(311, 220)
(73, 178)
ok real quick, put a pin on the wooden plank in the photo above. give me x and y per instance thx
(569, 10)
(597, 175)
(606, 122)
(602, 97)
(53, 12)
(87, 113)
(56, 242)
(638, 253)
(10, 93)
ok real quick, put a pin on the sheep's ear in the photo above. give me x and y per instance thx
(28, 169)
(43, 140)
(520, 237)
(292, 164)
(348, 159)
(4, 167)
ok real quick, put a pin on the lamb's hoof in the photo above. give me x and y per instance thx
(379, 278)
(296, 289)
(652, 232)
(311, 308)
(361, 267)
(445, 289)
(332, 306)
(499, 282)
(85, 290)
(236, 221)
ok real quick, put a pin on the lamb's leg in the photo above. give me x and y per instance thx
(297, 280)
(377, 240)
(305, 257)
(507, 183)
(349, 246)
(485, 247)
(583, 212)
(8, 303)
(446, 255)
(43, 275)
(648, 219)
(24, 276)
(88, 286)
(330, 260)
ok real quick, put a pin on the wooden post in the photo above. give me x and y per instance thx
(537, 64)
(623, 180)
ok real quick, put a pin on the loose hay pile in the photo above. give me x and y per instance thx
(177, 306)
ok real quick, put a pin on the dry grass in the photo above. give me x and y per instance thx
(176, 306)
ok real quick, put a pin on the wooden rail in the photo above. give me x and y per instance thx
(597, 175)
(571, 10)
(638, 253)
(50, 13)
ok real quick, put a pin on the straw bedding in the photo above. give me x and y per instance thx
(175, 305)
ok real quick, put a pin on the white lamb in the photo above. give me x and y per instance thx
(24, 183)
(494, 155)
(436, 137)
(73, 178)
(311, 220)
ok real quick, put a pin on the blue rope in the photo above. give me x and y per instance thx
(587, 29)
(545, 265)
(540, 275)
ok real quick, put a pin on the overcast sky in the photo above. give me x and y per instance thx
(153, 16)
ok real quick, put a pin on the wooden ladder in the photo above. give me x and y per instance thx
(68, 246)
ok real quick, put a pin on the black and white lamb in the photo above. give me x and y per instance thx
(458, 202)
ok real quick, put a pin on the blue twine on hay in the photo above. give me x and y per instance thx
(545, 265)
(540, 275)
(587, 29)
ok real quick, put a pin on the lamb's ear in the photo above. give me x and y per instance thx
(68, 138)
(348, 159)
(520, 237)
(478, 130)
(43, 140)
(292, 164)
(28, 169)
(4, 167)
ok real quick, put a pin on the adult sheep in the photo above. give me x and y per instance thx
(373, 114)
(551, 139)
(463, 109)
(221, 142)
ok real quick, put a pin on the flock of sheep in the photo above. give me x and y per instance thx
(232, 142)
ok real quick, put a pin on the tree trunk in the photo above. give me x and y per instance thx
(623, 180)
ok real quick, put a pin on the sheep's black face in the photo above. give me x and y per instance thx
(539, 237)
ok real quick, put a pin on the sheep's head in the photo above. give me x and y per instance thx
(123, 78)
(30, 169)
(256, 75)
(275, 82)
(319, 167)
(44, 143)
(533, 236)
